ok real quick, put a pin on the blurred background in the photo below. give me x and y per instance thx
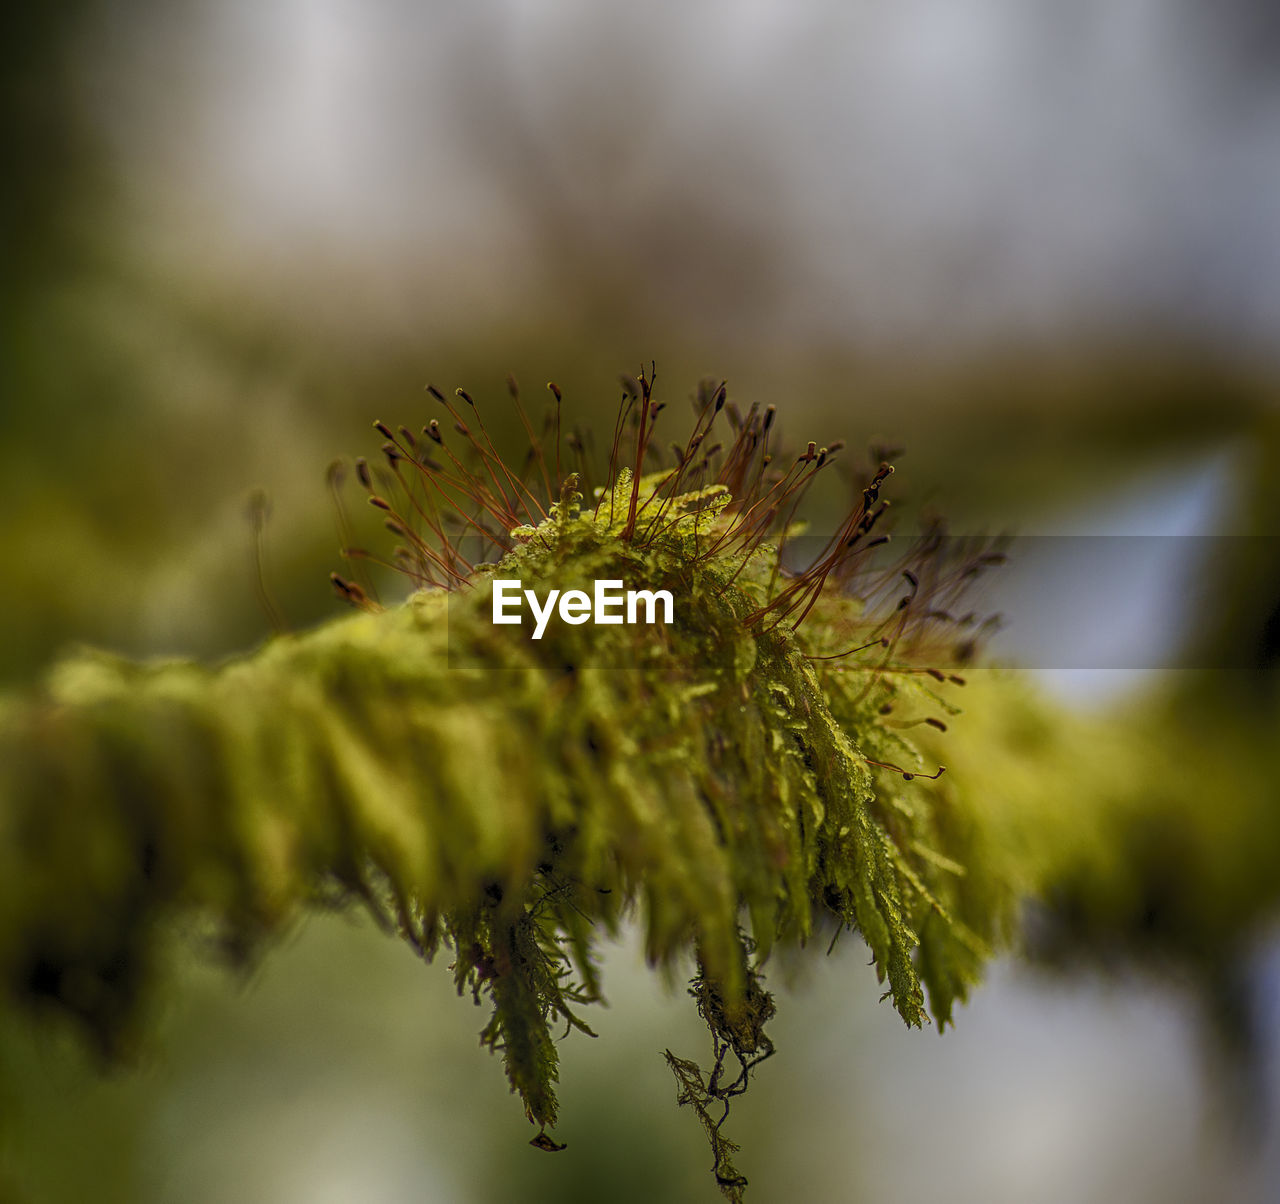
(1036, 245)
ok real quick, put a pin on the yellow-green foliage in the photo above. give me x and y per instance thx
(513, 799)
(1150, 834)
(735, 784)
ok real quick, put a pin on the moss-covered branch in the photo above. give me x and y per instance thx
(475, 784)
(734, 779)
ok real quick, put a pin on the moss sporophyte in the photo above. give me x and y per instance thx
(723, 757)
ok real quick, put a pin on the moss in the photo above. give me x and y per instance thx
(510, 799)
(756, 774)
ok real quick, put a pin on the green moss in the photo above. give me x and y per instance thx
(734, 781)
(510, 799)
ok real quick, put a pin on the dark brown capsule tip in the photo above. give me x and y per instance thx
(380, 502)
(555, 390)
(769, 412)
(435, 392)
(362, 473)
(465, 397)
(348, 590)
(383, 429)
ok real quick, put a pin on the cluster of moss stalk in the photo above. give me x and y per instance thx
(759, 773)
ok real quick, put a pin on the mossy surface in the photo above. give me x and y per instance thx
(762, 772)
(512, 799)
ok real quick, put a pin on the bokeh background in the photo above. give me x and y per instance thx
(1036, 245)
